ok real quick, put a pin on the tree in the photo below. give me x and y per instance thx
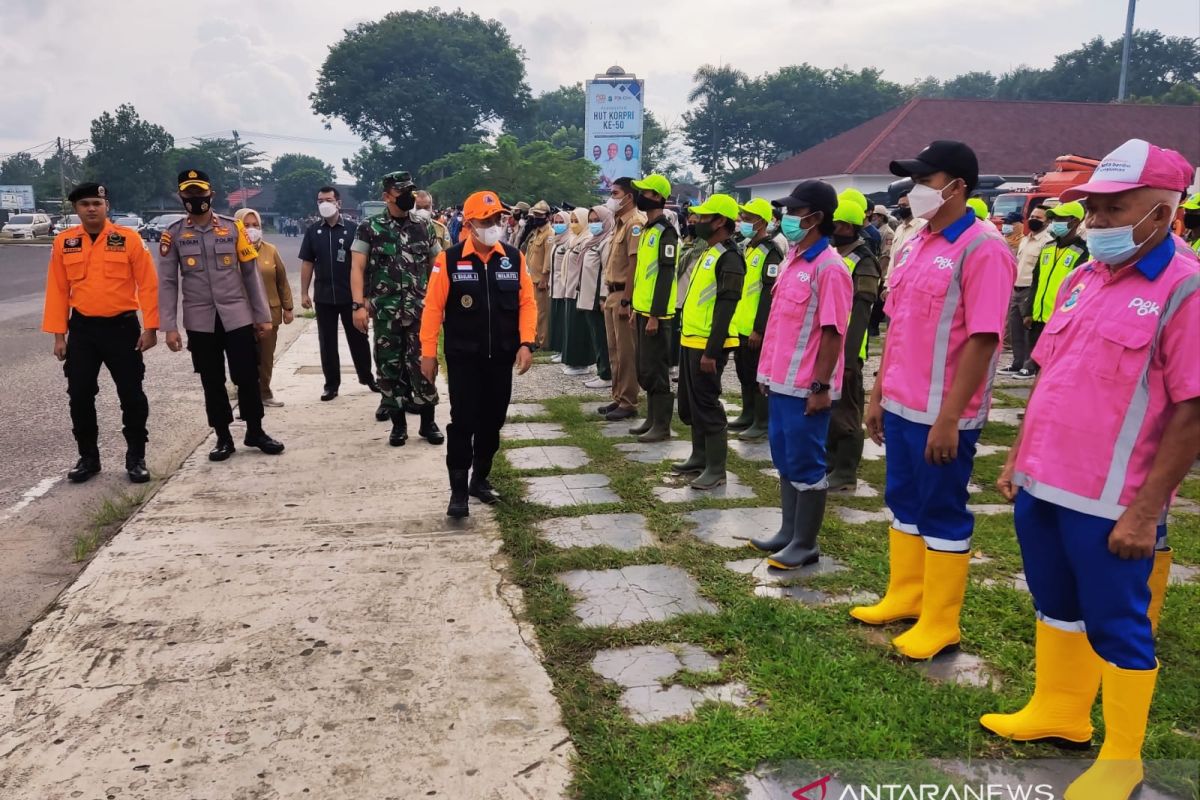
(425, 81)
(293, 162)
(531, 172)
(296, 192)
(129, 156)
(549, 112)
(709, 128)
(367, 166)
(50, 184)
(970, 86)
(219, 159)
(21, 169)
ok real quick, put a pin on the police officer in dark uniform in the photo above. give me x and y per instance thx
(480, 293)
(208, 259)
(100, 275)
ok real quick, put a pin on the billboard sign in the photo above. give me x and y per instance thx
(17, 198)
(613, 127)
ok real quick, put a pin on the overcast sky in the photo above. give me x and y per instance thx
(204, 68)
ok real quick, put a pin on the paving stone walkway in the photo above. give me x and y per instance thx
(679, 491)
(560, 491)
(626, 532)
(547, 457)
(643, 673)
(536, 431)
(632, 595)
(734, 527)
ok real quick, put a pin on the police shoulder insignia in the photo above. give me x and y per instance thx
(636, 231)
(505, 263)
(669, 251)
(467, 301)
(772, 270)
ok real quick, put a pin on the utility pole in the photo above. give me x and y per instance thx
(62, 178)
(1125, 51)
(237, 151)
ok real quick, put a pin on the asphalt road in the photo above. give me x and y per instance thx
(40, 512)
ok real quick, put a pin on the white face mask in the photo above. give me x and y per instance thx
(489, 235)
(925, 201)
(422, 214)
(1006, 229)
(612, 204)
(254, 235)
(327, 210)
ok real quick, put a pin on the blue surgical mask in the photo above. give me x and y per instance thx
(1059, 228)
(1006, 229)
(1115, 245)
(596, 228)
(792, 230)
(746, 229)
(559, 228)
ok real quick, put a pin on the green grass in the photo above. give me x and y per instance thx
(821, 686)
(105, 521)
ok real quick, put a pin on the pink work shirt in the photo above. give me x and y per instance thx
(1116, 356)
(945, 288)
(813, 291)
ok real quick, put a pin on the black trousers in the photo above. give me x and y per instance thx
(653, 356)
(745, 360)
(700, 393)
(1035, 333)
(93, 342)
(480, 389)
(327, 332)
(209, 354)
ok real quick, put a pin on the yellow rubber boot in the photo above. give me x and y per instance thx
(1158, 585)
(1064, 689)
(937, 627)
(1117, 772)
(906, 559)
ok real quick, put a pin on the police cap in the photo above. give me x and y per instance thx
(85, 191)
(194, 177)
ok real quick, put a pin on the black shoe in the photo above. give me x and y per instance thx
(399, 434)
(429, 429)
(328, 395)
(604, 410)
(618, 414)
(135, 467)
(85, 468)
(263, 442)
(483, 491)
(459, 503)
(223, 450)
(372, 385)
(381, 413)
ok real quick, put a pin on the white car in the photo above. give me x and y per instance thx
(26, 226)
(69, 221)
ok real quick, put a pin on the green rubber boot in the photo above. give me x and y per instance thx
(662, 408)
(746, 418)
(787, 521)
(716, 450)
(803, 550)
(758, 429)
(696, 461)
(844, 458)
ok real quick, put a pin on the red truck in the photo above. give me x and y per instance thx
(1069, 170)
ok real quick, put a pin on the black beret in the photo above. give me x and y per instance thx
(86, 190)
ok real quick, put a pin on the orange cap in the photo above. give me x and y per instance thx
(482, 205)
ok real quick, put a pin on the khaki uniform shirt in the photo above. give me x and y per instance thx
(537, 254)
(622, 257)
(215, 268)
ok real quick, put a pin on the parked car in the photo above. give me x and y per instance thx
(69, 221)
(153, 229)
(128, 221)
(26, 226)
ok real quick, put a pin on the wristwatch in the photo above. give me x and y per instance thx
(356, 306)
(817, 387)
(531, 345)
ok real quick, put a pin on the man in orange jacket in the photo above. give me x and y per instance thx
(100, 276)
(481, 296)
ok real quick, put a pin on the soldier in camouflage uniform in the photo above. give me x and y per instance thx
(389, 269)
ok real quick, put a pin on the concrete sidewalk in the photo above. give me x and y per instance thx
(308, 625)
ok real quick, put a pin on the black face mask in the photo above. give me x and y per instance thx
(644, 203)
(197, 205)
(704, 230)
(406, 201)
(843, 239)
(1036, 225)
(1191, 220)
(903, 213)
(536, 222)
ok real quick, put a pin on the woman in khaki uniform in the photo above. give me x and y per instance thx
(279, 295)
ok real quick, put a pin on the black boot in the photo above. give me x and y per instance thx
(224, 448)
(458, 507)
(429, 430)
(758, 428)
(696, 461)
(845, 457)
(135, 466)
(716, 452)
(480, 488)
(381, 413)
(787, 521)
(803, 550)
(257, 437)
(87, 465)
(662, 407)
(399, 434)
(745, 419)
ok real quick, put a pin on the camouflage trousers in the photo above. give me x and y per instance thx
(398, 362)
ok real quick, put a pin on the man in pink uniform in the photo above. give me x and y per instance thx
(1092, 488)
(948, 305)
(801, 368)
